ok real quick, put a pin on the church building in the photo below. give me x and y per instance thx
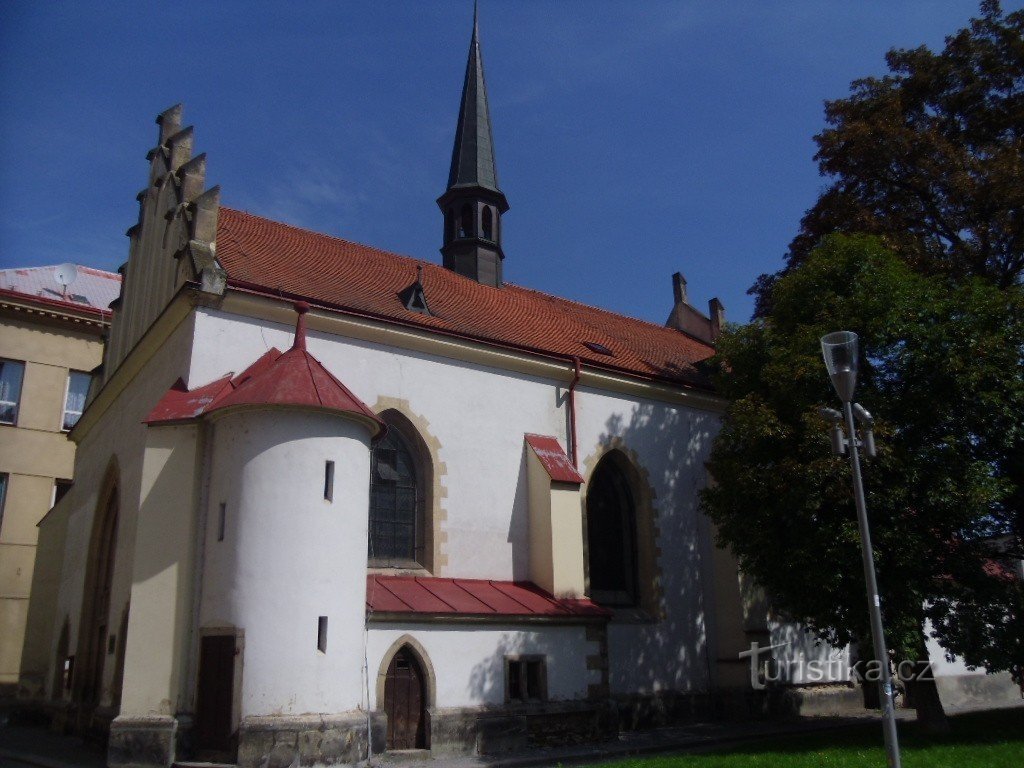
(331, 501)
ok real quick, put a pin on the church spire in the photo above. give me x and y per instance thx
(473, 203)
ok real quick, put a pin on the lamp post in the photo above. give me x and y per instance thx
(840, 352)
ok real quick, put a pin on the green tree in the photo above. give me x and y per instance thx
(931, 157)
(941, 372)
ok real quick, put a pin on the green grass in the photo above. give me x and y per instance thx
(989, 739)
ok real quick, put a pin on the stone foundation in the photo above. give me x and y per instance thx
(141, 742)
(509, 729)
(643, 711)
(282, 741)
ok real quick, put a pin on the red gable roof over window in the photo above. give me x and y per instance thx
(553, 459)
(260, 254)
(293, 378)
(479, 598)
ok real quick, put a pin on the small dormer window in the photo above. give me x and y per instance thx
(599, 348)
(414, 298)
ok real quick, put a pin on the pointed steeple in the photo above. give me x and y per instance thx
(473, 203)
(473, 153)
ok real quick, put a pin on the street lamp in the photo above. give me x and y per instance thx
(840, 352)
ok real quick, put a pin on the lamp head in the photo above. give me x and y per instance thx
(840, 352)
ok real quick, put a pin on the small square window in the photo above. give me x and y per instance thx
(11, 375)
(526, 679)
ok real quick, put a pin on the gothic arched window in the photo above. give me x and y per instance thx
(396, 504)
(611, 535)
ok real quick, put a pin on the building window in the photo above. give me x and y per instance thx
(3, 497)
(321, 634)
(525, 679)
(60, 488)
(611, 535)
(395, 503)
(74, 403)
(11, 374)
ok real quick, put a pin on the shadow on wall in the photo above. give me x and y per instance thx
(666, 650)
(565, 663)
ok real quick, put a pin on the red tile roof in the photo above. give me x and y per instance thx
(293, 378)
(553, 459)
(283, 260)
(479, 598)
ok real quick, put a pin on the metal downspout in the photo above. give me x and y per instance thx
(572, 410)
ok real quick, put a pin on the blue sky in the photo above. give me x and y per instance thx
(633, 139)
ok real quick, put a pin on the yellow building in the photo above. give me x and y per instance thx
(52, 322)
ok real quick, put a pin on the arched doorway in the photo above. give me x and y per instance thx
(405, 702)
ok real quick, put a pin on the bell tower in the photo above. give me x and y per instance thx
(472, 204)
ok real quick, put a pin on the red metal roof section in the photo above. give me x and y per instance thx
(553, 459)
(283, 260)
(292, 378)
(471, 597)
(180, 404)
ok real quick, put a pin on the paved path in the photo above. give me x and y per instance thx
(34, 746)
(24, 746)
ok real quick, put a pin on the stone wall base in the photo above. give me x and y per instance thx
(304, 740)
(141, 742)
(637, 712)
(978, 690)
(509, 729)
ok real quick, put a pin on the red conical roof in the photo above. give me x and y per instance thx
(294, 378)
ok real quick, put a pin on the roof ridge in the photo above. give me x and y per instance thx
(605, 311)
(340, 239)
(508, 284)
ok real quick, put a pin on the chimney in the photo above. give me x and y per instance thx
(717, 314)
(685, 318)
(679, 288)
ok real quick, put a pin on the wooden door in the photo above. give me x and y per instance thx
(405, 703)
(214, 696)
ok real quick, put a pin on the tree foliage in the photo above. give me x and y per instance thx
(931, 157)
(941, 372)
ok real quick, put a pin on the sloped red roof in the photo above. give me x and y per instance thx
(294, 378)
(471, 597)
(92, 291)
(553, 459)
(284, 260)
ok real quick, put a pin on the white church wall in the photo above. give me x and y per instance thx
(287, 556)
(479, 416)
(961, 686)
(120, 436)
(671, 443)
(469, 662)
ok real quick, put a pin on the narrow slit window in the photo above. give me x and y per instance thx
(222, 521)
(321, 634)
(329, 481)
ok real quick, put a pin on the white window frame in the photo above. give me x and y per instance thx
(67, 394)
(21, 388)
